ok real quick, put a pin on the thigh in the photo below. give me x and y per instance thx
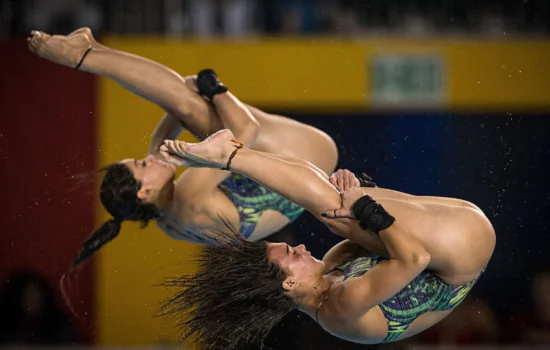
(290, 138)
(424, 322)
(198, 116)
(459, 239)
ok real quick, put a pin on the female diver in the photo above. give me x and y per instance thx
(190, 207)
(407, 260)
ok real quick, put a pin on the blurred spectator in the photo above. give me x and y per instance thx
(236, 17)
(345, 19)
(297, 16)
(61, 16)
(472, 323)
(531, 324)
(30, 313)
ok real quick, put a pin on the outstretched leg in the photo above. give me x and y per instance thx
(143, 77)
(294, 180)
(164, 87)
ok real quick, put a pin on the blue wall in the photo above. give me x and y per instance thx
(499, 162)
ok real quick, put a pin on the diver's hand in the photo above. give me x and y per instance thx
(169, 152)
(348, 199)
(358, 205)
(344, 180)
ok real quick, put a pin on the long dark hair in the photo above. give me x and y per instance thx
(118, 194)
(234, 299)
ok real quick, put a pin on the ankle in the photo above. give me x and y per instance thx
(238, 146)
(92, 62)
(220, 97)
(81, 61)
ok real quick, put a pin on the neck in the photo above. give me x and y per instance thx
(310, 303)
(165, 201)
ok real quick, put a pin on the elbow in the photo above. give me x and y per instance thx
(421, 259)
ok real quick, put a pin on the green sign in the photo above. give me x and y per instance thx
(408, 80)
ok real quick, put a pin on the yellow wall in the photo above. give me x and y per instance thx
(319, 73)
(309, 74)
(131, 264)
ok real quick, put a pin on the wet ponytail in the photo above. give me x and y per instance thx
(118, 194)
(107, 232)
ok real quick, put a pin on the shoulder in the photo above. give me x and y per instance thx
(352, 297)
(192, 198)
(334, 313)
(205, 211)
(189, 213)
(346, 301)
(339, 316)
(200, 182)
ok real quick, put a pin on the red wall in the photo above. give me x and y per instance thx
(47, 134)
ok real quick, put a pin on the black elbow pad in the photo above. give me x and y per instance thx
(372, 215)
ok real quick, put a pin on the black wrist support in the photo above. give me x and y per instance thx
(372, 215)
(209, 84)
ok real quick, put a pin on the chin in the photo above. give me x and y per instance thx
(169, 170)
(172, 173)
(172, 168)
(319, 263)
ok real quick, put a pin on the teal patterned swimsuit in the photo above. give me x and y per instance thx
(424, 294)
(252, 199)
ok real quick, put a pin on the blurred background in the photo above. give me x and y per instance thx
(446, 98)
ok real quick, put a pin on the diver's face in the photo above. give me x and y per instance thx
(153, 174)
(303, 271)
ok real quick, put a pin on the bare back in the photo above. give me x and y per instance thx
(198, 221)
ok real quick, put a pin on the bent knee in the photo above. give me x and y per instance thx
(189, 106)
(472, 206)
(324, 152)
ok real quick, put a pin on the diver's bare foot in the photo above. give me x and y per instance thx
(88, 32)
(213, 152)
(64, 50)
(191, 82)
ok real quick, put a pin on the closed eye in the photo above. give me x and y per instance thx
(288, 250)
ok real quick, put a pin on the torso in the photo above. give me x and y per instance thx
(253, 209)
(423, 303)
